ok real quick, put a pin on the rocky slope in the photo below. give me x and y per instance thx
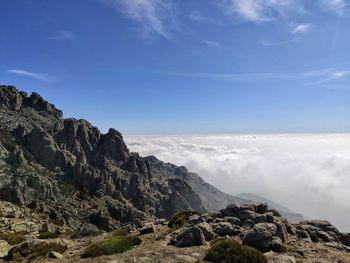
(253, 225)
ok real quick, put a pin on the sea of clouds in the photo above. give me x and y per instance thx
(308, 173)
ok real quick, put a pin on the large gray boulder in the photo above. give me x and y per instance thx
(207, 231)
(226, 229)
(345, 239)
(192, 236)
(260, 237)
(279, 258)
(4, 248)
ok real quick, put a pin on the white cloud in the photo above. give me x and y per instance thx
(307, 173)
(213, 44)
(62, 35)
(262, 10)
(151, 15)
(327, 75)
(337, 6)
(301, 28)
(39, 76)
(196, 16)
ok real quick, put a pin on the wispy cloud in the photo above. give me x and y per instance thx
(62, 35)
(308, 78)
(261, 10)
(196, 16)
(211, 43)
(337, 6)
(269, 43)
(39, 76)
(301, 28)
(327, 75)
(151, 15)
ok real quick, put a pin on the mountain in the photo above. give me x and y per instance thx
(285, 212)
(62, 181)
(70, 172)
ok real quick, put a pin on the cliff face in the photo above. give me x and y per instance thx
(69, 171)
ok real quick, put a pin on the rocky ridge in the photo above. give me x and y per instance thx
(70, 172)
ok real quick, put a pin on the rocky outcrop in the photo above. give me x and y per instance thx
(267, 230)
(71, 172)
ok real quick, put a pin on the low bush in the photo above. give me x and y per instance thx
(314, 237)
(117, 243)
(13, 238)
(180, 219)
(225, 250)
(47, 235)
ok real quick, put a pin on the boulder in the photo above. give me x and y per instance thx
(232, 220)
(268, 228)
(54, 254)
(4, 248)
(226, 229)
(277, 245)
(261, 208)
(230, 210)
(260, 237)
(192, 236)
(279, 258)
(324, 236)
(321, 224)
(207, 231)
(193, 219)
(28, 227)
(259, 218)
(146, 229)
(302, 233)
(85, 230)
(345, 239)
(246, 214)
(247, 223)
(281, 228)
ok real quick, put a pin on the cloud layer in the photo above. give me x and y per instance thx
(307, 173)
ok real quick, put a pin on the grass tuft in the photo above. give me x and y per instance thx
(117, 243)
(48, 235)
(14, 238)
(180, 219)
(229, 250)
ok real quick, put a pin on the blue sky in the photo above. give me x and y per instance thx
(199, 66)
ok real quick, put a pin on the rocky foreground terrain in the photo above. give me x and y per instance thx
(64, 186)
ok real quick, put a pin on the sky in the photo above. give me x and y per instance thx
(198, 66)
(308, 173)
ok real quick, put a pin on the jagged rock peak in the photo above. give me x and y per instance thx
(12, 99)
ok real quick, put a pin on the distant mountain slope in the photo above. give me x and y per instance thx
(286, 212)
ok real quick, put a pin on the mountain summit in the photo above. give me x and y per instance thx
(69, 171)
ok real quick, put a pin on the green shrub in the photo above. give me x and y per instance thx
(180, 219)
(111, 245)
(13, 238)
(314, 237)
(47, 235)
(230, 251)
